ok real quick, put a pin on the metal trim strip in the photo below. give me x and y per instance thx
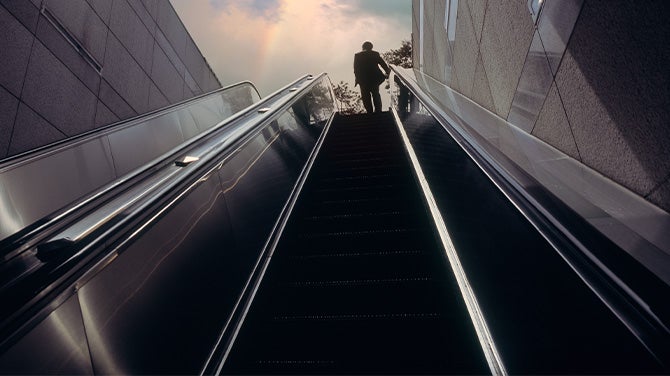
(256, 278)
(476, 315)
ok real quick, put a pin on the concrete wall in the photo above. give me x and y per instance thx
(70, 66)
(589, 77)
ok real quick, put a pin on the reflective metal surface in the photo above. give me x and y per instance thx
(474, 310)
(170, 292)
(57, 345)
(38, 184)
(34, 189)
(255, 181)
(157, 301)
(221, 351)
(526, 291)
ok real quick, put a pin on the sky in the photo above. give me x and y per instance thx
(273, 42)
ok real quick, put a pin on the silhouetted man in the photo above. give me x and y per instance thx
(369, 76)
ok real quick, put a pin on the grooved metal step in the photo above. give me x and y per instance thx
(358, 283)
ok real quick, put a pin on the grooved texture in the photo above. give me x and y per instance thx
(358, 283)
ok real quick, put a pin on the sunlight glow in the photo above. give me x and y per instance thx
(244, 40)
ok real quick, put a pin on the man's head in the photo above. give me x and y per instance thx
(367, 45)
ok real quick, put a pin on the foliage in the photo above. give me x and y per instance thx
(319, 102)
(401, 57)
(349, 99)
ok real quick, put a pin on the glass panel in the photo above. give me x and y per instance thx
(534, 84)
(555, 27)
(76, 169)
(535, 6)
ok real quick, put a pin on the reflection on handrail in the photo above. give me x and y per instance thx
(237, 127)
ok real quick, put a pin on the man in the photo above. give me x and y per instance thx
(368, 75)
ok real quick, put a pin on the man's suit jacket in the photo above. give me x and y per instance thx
(366, 68)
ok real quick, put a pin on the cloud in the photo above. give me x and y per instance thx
(270, 10)
(310, 36)
(356, 9)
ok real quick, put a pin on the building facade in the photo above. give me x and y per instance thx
(588, 77)
(72, 66)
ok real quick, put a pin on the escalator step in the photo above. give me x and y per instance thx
(358, 283)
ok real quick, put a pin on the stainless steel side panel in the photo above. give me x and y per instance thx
(257, 182)
(159, 306)
(57, 345)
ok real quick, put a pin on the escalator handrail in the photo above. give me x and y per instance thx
(18, 242)
(14, 242)
(486, 341)
(629, 307)
(257, 110)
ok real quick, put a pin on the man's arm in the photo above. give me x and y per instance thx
(383, 64)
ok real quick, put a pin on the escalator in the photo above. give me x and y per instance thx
(358, 282)
(301, 241)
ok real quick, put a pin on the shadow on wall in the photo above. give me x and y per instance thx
(614, 81)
